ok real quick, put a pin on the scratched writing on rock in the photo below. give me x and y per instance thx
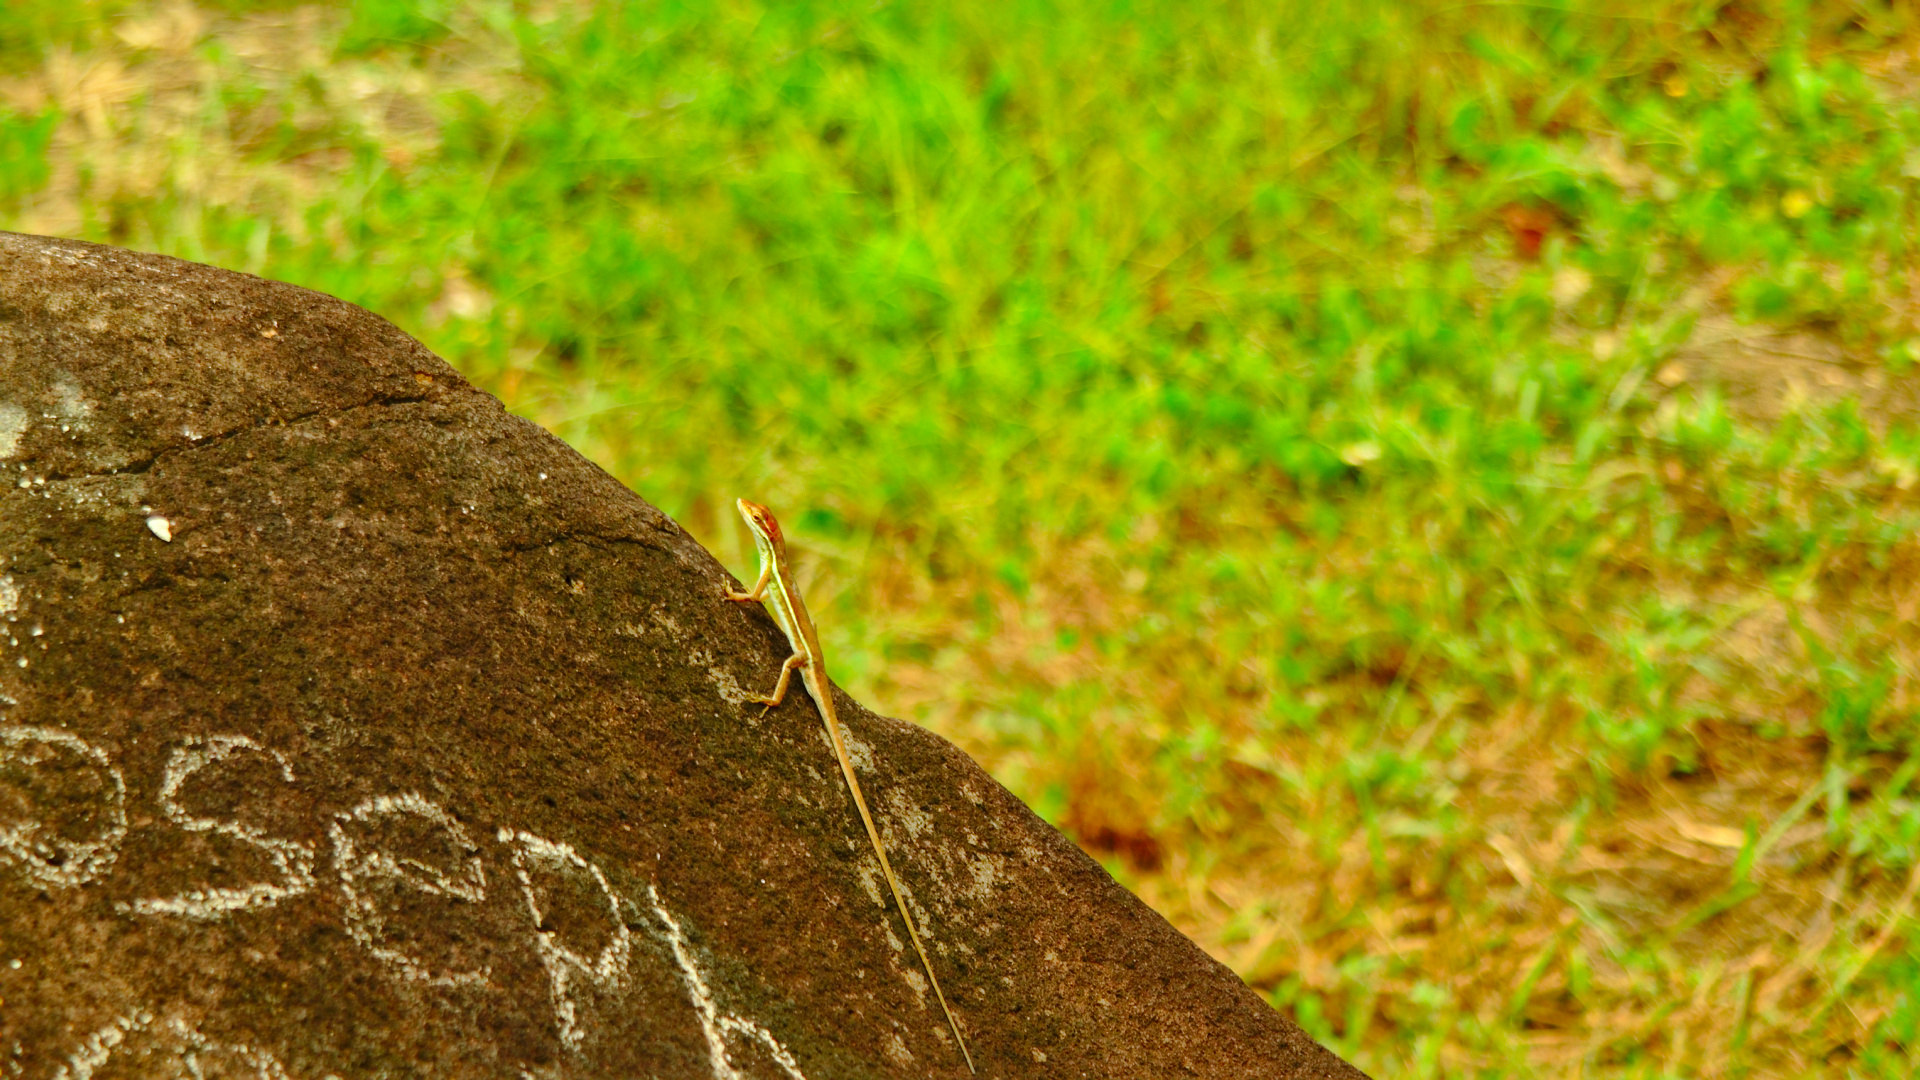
(63, 824)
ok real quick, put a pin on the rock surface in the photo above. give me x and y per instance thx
(353, 727)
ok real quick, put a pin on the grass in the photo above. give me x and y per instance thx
(1426, 493)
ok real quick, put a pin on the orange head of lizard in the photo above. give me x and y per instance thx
(761, 520)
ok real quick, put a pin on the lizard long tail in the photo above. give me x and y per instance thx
(873, 834)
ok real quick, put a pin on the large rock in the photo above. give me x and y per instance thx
(352, 727)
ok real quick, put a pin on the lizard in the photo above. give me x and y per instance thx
(776, 574)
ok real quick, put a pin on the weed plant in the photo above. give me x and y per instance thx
(1424, 492)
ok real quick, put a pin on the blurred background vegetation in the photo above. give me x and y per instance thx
(1425, 492)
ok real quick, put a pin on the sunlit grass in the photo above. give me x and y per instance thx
(1426, 492)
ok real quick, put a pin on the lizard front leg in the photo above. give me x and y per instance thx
(759, 589)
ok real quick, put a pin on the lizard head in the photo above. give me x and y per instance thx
(761, 521)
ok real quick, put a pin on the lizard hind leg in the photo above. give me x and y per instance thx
(786, 679)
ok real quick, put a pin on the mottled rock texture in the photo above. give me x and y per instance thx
(353, 727)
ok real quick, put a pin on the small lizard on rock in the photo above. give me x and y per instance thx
(791, 613)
